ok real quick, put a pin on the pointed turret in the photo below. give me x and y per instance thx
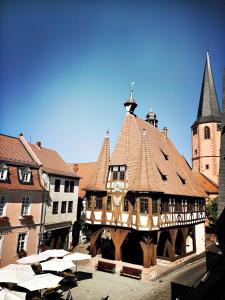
(151, 118)
(98, 181)
(208, 109)
(130, 104)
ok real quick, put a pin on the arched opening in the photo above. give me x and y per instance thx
(163, 248)
(207, 132)
(107, 248)
(131, 249)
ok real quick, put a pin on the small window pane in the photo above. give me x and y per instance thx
(125, 204)
(70, 206)
(121, 175)
(144, 205)
(21, 240)
(55, 207)
(115, 175)
(66, 186)
(109, 203)
(63, 207)
(98, 203)
(71, 186)
(154, 206)
(57, 185)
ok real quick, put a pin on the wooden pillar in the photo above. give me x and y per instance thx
(137, 213)
(173, 235)
(184, 234)
(104, 204)
(118, 236)
(149, 252)
(93, 239)
(92, 209)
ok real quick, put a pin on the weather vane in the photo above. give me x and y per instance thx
(132, 85)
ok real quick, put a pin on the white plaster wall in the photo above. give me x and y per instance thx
(200, 237)
(61, 196)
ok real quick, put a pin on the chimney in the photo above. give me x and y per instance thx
(165, 132)
(38, 143)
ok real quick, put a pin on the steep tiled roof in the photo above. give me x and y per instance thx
(12, 150)
(152, 161)
(209, 186)
(208, 110)
(52, 162)
(98, 180)
(85, 172)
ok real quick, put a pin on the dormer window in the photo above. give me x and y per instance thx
(163, 176)
(183, 181)
(25, 175)
(118, 172)
(3, 172)
(166, 156)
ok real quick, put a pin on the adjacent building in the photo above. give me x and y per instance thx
(61, 195)
(21, 198)
(143, 202)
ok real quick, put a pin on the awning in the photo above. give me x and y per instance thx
(57, 226)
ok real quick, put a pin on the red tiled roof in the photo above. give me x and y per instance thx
(12, 150)
(14, 183)
(99, 177)
(140, 146)
(85, 172)
(209, 186)
(52, 162)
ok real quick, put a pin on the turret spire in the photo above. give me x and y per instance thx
(208, 110)
(130, 104)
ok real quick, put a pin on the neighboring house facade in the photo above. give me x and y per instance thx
(21, 197)
(143, 201)
(206, 129)
(61, 196)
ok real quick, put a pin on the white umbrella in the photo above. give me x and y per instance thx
(76, 256)
(32, 259)
(55, 252)
(57, 265)
(25, 268)
(11, 295)
(14, 275)
(43, 281)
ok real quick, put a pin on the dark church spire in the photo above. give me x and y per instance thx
(208, 109)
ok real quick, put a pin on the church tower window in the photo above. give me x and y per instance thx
(207, 133)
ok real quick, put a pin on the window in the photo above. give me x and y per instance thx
(201, 205)
(2, 206)
(24, 175)
(196, 151)
(125, 204)
(121, 175)
(115, 175)
(207, 132)
(21, 242)
(70, 206)
(66, 186)
(165, 207)
(144, 206)
(207, 167)
(57, 185)
(109, 205)
(1, 244)
(25, 208)
(63, 207)
(178, 207)
(166, 156)
(3, 172)
(71, 186)
(98, 202)
(163, 176)
(183, 181)
(55, 207)
(154, 206)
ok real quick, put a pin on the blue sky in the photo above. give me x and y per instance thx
(66, 68)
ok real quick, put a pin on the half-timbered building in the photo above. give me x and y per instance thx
(143, 202)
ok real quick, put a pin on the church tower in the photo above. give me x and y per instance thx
(206, 129)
